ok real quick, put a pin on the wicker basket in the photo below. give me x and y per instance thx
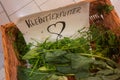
(110, 20)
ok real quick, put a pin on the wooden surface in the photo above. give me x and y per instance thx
(111, 20)
(10, 60)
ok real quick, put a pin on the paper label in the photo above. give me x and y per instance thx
(56, 24)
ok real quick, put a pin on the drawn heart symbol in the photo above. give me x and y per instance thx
(58, 25)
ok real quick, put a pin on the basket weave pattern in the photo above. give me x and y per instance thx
(110, 20)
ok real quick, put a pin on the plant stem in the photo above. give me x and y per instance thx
(34, 67)
(91, 55)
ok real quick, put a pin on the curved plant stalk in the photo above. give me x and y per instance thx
(100, 57)
(34, 66)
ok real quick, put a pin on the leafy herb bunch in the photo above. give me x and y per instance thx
(68, 57)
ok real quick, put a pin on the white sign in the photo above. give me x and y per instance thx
(57, 23)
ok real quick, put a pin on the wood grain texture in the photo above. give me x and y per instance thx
(110, 20)
(10, 59)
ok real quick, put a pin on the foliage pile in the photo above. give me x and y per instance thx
(106, 42)
(72, 57)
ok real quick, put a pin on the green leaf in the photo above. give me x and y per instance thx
(105, 72)
(56, 77)
(47, 68)
(66, 69)
(24, 74)
(92, 78)
(117, 71)
(111, 77)
(80, 62)
(100, 64)
(33, 53)
(112, 64)
(82, 74)
(56, 56)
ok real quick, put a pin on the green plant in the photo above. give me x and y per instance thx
(69, 57)
(104, 8)
(106, 42)
(20, 45)
(18, 42)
